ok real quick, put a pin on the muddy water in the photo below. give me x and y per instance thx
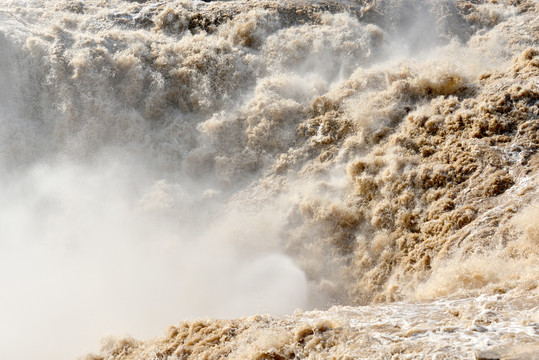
(168, 161)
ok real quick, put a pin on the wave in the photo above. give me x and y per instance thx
(188, 159)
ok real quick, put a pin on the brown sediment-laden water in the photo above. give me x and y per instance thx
(262, 179)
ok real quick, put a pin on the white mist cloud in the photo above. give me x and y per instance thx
(93, 249)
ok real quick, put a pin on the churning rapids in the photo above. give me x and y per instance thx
(313, 179)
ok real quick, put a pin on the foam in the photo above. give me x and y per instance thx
(222, 159)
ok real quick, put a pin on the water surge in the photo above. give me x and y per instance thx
(372, 163)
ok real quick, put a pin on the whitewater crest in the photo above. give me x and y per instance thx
(172, 160)
(437, 330)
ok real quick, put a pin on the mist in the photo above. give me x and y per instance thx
(157, 167)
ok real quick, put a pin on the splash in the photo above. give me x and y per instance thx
(173, 160)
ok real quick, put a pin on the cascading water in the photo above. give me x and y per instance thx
(165, 161)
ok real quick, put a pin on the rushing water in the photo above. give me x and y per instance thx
(167, 161)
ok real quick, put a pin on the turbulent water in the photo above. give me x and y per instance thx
(371, 162)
